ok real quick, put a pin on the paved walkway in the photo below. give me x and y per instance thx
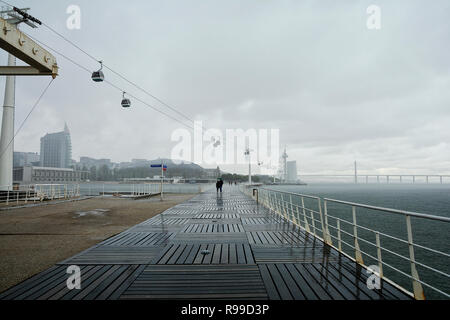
(210, 247)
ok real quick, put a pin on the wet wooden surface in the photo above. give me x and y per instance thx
(210, 247)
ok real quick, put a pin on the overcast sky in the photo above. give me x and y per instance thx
(337, 91)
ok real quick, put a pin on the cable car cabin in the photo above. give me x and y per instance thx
(98, 76)
(126, 103)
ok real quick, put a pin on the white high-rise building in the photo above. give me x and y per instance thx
(56, 150)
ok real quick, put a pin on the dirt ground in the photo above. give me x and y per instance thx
(34, 239)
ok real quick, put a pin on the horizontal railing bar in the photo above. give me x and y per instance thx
(418, 280)
(384, 263)
(389, 236)
(293, 193)
(402, 212)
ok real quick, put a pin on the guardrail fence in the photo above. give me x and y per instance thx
(354, 229)
(37, 193)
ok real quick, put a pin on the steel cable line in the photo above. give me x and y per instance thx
(110, 83)
(115, 72)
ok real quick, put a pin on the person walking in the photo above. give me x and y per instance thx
(219, 185)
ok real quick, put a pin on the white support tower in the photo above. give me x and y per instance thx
(40, 61)
(7, 133)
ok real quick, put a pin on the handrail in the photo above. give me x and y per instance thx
(396, 211)
(282, 203)
(293, 193)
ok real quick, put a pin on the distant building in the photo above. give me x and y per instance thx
(140, 162)
(291, 171)
(41, 175)
(90, 162)
(56, 150)
(22, 159)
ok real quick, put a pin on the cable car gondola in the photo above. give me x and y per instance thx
(98, 76)
(126, 103)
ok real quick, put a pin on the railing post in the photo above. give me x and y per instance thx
(338, 223)
(417, 286)
(380, 261)
(7, 197)
(279, 207)
(321, 219)
(313, 222)
(304, 216)
(297, 219)
(326, 236)
(358, 256)
(270, 201)
(283, 203)
(292, 218)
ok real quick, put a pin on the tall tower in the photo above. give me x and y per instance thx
(285, 170)
(356, 173)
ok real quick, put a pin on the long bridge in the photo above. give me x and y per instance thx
(385, 178)
(214, 246)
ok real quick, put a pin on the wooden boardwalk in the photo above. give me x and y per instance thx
(210, 247)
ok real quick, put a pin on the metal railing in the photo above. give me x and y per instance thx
(139, 189)
(315, 216)
(25, 194)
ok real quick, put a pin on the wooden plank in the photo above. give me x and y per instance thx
(304, 286)
(290, 282)
(195, 250)
(217, 254)
(233, 254)
(107, 282)
(316, 287)
(200, 256)
(269, 283)
(334, 293)
(13, 291)
(176, 254)
(185, 254)
(167, 253)
(115, 290)
(346, 288)
(279, 283)
(248, 254)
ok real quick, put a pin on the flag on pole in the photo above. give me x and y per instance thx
(159, 166)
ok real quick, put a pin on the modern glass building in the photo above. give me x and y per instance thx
(56, 149)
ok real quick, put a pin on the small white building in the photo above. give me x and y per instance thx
(40, 175)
